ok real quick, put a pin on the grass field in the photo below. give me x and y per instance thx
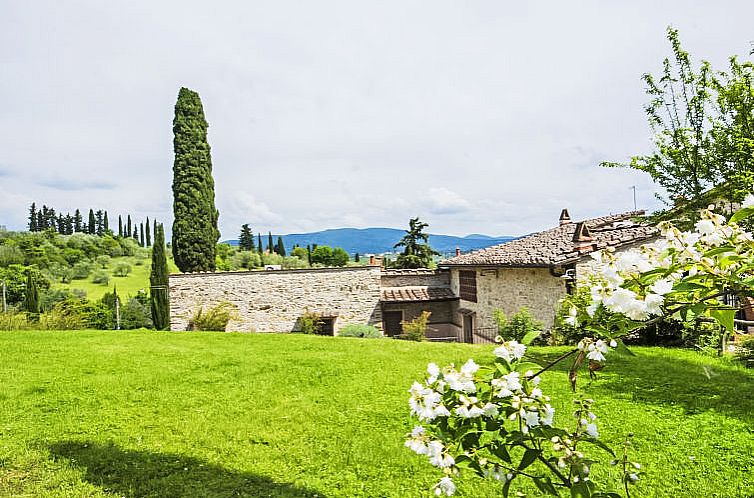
(164, 414)
(127, 286)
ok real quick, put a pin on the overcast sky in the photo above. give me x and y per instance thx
(479, 116)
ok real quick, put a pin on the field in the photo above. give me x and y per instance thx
(96, 413)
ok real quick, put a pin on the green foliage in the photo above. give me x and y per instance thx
(82, 313)
(301, 253)
(280, 246)
(215, 318)
(135, 314)
(328, 256)
(745, 350)
(246, 239)
(158, 282)
(416, 329)
(31, 297)
(101, 277)
(359, 330)
(10, 254)
(517, 326)
(416, 250)
(195, 232)
(15, 277)
(309, 323)
(245, 260)
(82, 270)
(122, 269)
(703, 133)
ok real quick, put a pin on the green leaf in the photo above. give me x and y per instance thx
(742, 214)
(599, 443)
(530, 456)
(622, 349)
(528, 338)
(506, 488)
(544, 484)
(724, 318)
(581, 489)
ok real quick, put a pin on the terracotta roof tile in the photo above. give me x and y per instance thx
(556, 246)
(415, 293)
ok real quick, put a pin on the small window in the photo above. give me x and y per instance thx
(467, 281)
(327, 326)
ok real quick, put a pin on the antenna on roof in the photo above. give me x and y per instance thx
(633, 187)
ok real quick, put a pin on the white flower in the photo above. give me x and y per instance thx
(464, 380)
(613, 343)
(417, 443)
(705, 227)
(437, 455)
(748, 201)
(571, 318)
(434, 372)
(445, 486)
(531, 418)
(490, 410)
(468, 408)
(508, 384)
(633, 477)
(654, 303)
(662, 287)
(591, 429)
(469, 368)
(510, 351)
(547, 414)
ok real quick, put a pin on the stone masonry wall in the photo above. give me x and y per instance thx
(404, 278)
(273, 301)
(509, 289)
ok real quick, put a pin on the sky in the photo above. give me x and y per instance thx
(479, 117)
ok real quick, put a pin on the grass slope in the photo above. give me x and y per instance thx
(158, 414)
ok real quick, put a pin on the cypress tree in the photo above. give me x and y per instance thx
(158, 281)
(309, 253)
(195, 232)
(92, 225)
(149, 234)
(280, 249)
(68, 224)
(105, 223)
(246, 238)
(356, 257)
(270, 246)
(142, 240)
(260, 248)
(136, 233)
(120, 226)
(60, 223)
(31, 298)
(40, 221)
(100, 217)
(128, 226)
(78, 221)
(33, 217)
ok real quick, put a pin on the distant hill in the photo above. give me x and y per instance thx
(379, 240)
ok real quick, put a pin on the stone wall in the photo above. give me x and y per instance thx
(419, 277)
(273, 301)
(509, 289)
(442, 311)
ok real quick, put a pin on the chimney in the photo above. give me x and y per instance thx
(565, 218)
(458, 251)
(378, 260)
(582, 238)
(371, 260)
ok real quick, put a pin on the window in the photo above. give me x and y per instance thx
(467, 281)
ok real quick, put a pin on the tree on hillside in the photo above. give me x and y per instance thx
(149, 234)
(92, 224)
(416, 250)
(78, 222)
(142, 239)
(195, 232)
(31, 298)
(33, 217)
(246, 238)
(280, 247)
(105, 223)
(120, 226)
(129, 231)
(158, 282)
(703, 127)
(100, 222)
(270, 245)
(260, 247)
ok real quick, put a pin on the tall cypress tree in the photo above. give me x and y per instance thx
(33, 217)
(100, 217)
(78, 221)
(142, 240)
(149, 234)
(68, 224)
(92, 225)
(280, 248)
(158, 281)
(105, 223)
(270, 245)
(128, 226)
(31, 298)
(260, 247)
(120, 226)
(246, 238)
(195, 232)
(136, 233)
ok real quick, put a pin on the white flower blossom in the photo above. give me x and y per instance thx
(547, 413)
(591, 429)
(510, 351)
(445, 486)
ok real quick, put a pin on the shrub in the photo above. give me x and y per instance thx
(416, 329)
(215, 318)
(103, 261)
(13, 320)
(244, 259)
(357, 330)
(135, 315)
(101, 277)
(518, 326)
(309, 323)
(745, 350)
(82, 270)
(10, 255)
(80, 313)
(122, 269)
(49, 298)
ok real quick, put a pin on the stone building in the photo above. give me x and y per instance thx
(535, 271)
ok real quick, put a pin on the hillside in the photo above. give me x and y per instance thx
(379, 240)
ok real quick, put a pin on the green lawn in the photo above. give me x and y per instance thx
(127, 286)
(213, 414)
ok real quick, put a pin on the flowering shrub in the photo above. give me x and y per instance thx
(495, 420)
